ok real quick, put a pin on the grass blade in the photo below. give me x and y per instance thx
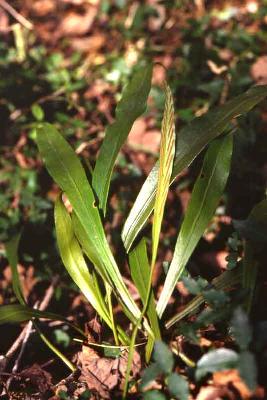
(74, 262)
(140, 272)
(12, 256)
(131, 106)
(66, 169)
(205, 197)
(19, 313)
(191, 140)
(55, 350)
(167, 150)
(254, 230)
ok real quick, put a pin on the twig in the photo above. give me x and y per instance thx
(22, 20)
(24, 336)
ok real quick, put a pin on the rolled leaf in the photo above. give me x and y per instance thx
(140, 272)
(131, 106)
(167, 149)
(190, 141)
(12, 256)
(205, 197)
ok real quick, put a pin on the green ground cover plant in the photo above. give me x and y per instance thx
(82, 242)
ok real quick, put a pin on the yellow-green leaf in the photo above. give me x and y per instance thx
(167, 150)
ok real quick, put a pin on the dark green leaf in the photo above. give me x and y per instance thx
(216, 360)
(248, 369)
(163, 357)
(178, 387)
(194, 286)
(154, 395)
(12, 256)
(241, 329)
(215, 297)
(19, 313)
(131, 106)
(150, 374)
(191, 140)
(226, 280)
(254, 228)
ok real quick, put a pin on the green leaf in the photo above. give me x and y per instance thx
(191, 140)
(37, 112)
(149, 375)
(254, 228)
(12, 256)
(241, 329)
(167, 150)
(215, 298)
(131, 106)
(216, 360)
(140, 272)
(66, 169)
(154, 395)
(178, 387)
(163, 356)
(194, 286)
(205, 197)
(18, 313)
(74, 262)
(248, 369)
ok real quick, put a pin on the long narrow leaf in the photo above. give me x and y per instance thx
(206, 194)
(131, 106)
(66, 169)
(74, 262)
(19, 313)
(12, 256)
(191, 140)
(140, 272)
(167, 150)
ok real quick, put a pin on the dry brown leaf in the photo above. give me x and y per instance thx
(232, 377)
(74, 24)
(141, 137)
(4, 21)
(258, 70)
(43, 7)
(37, 378)
(104, 374)
(89, 44)
(215, 393)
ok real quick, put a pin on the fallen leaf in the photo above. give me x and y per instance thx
(43, 7)
(104, 374)
(258, 70)
(232, 377)
(37, 378)
(215, 393)
(140, 137)
(74, 24)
